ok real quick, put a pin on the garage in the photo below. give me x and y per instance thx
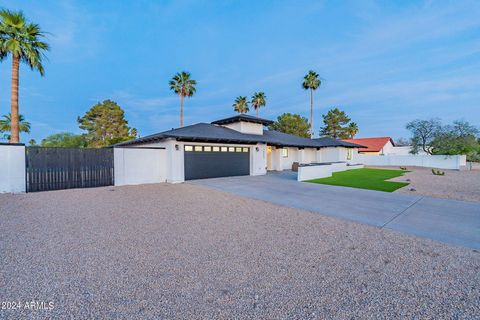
(203, 162)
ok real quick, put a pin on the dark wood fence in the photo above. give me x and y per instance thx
(65, 168)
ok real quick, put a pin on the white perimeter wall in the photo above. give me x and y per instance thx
(436, 161)
(12, 168)
(139, 166)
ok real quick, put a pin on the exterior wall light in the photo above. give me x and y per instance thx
(177, 147)
(257, 149)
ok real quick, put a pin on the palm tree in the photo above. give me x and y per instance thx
(23, 41)
(311, 82)
(6, 125)
(351, 130)
(258, 101)
(241, 105)
(182, 85)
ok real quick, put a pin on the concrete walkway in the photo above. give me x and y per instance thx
(450, 221)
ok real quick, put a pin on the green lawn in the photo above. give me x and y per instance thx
(365, 178)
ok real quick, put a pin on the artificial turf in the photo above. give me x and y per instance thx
(365, 178)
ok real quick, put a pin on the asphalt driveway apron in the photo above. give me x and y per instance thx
(450, 221)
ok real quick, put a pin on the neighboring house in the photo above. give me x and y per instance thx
(234, 146)
(379, 146)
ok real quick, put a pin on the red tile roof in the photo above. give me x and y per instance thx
(372, 144)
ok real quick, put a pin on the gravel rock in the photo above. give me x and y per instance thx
(183, 251)
(458, 185)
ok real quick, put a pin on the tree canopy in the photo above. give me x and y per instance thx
(5, 125)
(241, 105)
(258, 100)
(423, 133)
(105, 125)
(338, 125)
(434, 138)
(292, 124)
(64, 140)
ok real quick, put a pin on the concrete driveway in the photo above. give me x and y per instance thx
(449, 221)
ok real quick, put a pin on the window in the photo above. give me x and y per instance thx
(349, 154)
(198, 148)
(285, 152)
(188, 148)
(215, 149)
(245, 149)
(224, 149)
(238, 149)
(231, 149)
(207, 149)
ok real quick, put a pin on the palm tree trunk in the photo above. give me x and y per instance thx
(311, 113)
(14, 126)
(257, 112)
(181, 110)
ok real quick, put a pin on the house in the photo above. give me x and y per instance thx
(234, 146)
(376, 146)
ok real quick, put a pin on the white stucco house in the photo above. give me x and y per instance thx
(238, 145)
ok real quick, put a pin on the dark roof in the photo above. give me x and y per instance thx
(244, 118)
(204, 132)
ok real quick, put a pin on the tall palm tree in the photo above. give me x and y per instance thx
(182, 85)
(23, 41)
(241, 105)
(6, 125)
(258, 101)
(311, 82)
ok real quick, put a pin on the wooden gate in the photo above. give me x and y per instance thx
(65, 168)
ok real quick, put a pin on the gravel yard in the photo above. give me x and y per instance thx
(184, 251)
(458, 185)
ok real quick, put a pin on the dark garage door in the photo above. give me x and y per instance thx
(216, 161)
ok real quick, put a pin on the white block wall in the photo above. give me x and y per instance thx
(435, 161)
(12, 168)
(139, 166)
(323, 171)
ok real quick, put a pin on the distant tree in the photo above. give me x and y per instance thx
(105, 125)
(337, 125)
(402, 142)
(350, 131)
(423, 133)
(459, 138)
(5, 126)
(182, 85)
(258, 101)
(311, 82)
(32, 143)
(134, 133)
(23, 41)
(292, 124)
(64, 140)
(241, 105)
(463, 128)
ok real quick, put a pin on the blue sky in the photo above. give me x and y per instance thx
(383, 62)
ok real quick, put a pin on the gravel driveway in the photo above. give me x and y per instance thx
(184, 251)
